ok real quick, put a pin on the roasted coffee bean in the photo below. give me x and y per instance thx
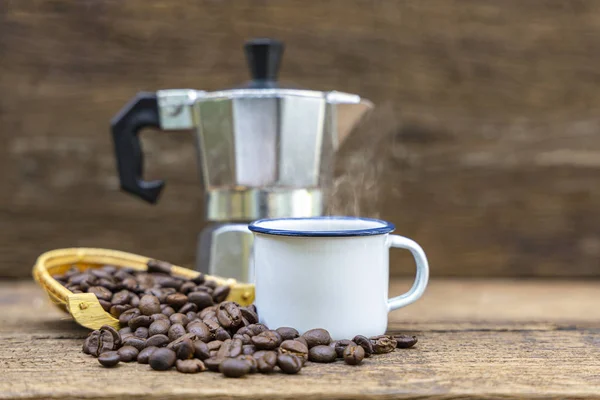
(135, 300)
(141, 332)
(289, 364)
(157, 341)
(382, 344)
(220, 294)
(212, 324)
(82, 278)
(109, 359)
(136, 342)
(93, 344)
(316, 337)
(176, 331)
(201, 350)
(179, 318)
(200, 299)
(236, 348)
(162, 359)
(105, 305)
(188, 307)
(225, 349)
(234, 367)
(122, 274)
(175, 342)
(267, 362)
(100, 292)
(128, 353)
(405, 341)
(229, 315)
(158, 266)
(208, 310)
(149, 305)
(156, 317)
(159, 327)
(365, 344)
(187, 287)
(177, 300)
(353, 354)
(100, 273)
(126, 335)
(244, 331)
(213, 363)
(199, 280)
(267, 340)
(160, 294)
(200, 329)
(294, 347)
(222, 334)
(112, 332)
(105, 339)
(249, 315)
(168, 311)
(172, 283)
(248, 349)
(108, 284)
(117, 310)
(124, 330)
(190, 366)
(191, 315)
(109, 269)
(301, 340)
(340, 346)
(145, 354)
(184, 349)
(145, 280)
(322, 354)
(129, 284)
(256, 329)
(244, 338)
(260, 353)
(204, 289)
(128, 315)
(211, 284)
(140, 320)
(250, 360)
(214, 345)
(210, 314)
(287, 333)
(213, 353)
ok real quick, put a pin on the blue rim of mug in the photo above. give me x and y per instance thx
(386, 227)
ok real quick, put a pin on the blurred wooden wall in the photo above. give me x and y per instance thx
(485, 147)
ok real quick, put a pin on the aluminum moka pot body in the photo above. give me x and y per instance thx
(264, 151)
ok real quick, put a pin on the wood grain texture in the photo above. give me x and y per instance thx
(467, 349)
(484, 146)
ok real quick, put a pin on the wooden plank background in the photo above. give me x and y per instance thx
(484, 147)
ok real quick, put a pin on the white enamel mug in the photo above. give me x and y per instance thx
(329, 272)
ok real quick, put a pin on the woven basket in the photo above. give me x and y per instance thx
(84, 307)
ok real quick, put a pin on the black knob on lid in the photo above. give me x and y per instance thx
(264, 59)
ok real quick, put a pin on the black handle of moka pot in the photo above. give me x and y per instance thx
(264, 59)
(141, 112)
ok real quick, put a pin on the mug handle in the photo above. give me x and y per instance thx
(422, 277)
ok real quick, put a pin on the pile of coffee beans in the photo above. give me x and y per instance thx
(170, 321)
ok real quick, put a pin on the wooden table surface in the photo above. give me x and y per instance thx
(477, 339)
